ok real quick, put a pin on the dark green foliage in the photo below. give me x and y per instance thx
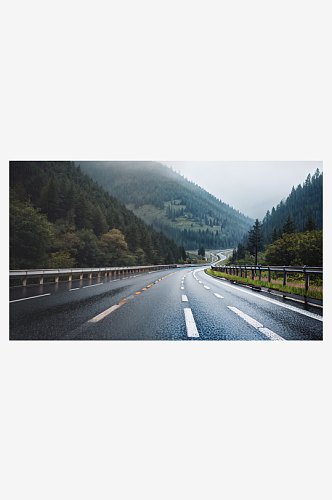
(59, 216)
(201, 251)
(311, 224)
(288, 227)
(303, 202)
(151, 183)
(297, 249)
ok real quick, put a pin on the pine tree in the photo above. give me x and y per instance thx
(288, 227)
(255, 238)
(311, 224)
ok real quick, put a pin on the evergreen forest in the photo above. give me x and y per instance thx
(60, 217)
(292, 233)
(179, 208)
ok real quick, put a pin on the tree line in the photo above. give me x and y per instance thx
(60, 217)
(176, 200)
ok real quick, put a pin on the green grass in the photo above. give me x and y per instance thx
(274, 286)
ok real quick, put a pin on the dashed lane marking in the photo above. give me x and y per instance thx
(89, 286)
(27, 298)
(107, 312)
(218, 296)
(207, 287)
(275, 302)
(184, 298)
(190, 323)
(256, 324)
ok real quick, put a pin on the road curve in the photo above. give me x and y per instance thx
(173, 304)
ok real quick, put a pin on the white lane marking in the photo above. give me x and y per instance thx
(107, 312)
(190, 323)
(182, 288)
(89, 286)
(269, 333)
(275, 302)
(199, 282)
(218, 296)
(111, 281)
(246, 318)
(74, 289)
(207, 287)
(27, 298)
(184, 298)
(256, 324)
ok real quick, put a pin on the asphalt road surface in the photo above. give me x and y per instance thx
(173, 304)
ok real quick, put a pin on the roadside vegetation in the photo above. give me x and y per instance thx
(297, 288)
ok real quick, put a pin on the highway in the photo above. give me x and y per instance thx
(173, 304)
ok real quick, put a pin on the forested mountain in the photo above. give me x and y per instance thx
(172, 204)
(59, 217)
(303, 202)
(292, 233)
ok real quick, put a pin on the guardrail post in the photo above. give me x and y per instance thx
(252, 274)
(57, 279)
(41, 280)
(269, 275)
(260, 273)
(24, 281)
(70, 277)
(81, 276)
(306, 279)
(285, 277)
(241, 272)
(245, 272)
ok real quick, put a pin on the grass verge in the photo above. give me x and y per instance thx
(288, 289)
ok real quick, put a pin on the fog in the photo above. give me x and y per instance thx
(248, 186)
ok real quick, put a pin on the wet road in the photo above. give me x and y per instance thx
(173, 304)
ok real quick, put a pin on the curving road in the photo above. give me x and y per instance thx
(173, 304)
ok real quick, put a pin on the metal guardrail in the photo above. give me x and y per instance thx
(305, 270)
(24, 274)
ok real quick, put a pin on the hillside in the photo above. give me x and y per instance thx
(303, 202)
(59, 217)
(182, 210)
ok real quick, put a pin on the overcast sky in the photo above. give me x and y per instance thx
(250, 187)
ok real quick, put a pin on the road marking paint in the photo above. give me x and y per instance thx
(143, 288)
(137, 293)
(208, 288)
(74, 289)
(256, 324)
(190, 323)
(107, 312)
(275, 302)
(270, 334)
(111, 281)
(218, 296)
(199, 282)
(27, 298)
(182, 288)
(184, 298)
(246, 318)
(89, 286)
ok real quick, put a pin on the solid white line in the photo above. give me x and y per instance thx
(88, 286)
(208, 288)
(184, 298)
(275, 302)
(74, 289)
(111, 281)
(218, 296)
(27, 298)
(190, 323)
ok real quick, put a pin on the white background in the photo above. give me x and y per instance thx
(183, 81)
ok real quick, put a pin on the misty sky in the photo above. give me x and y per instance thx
(248, 186)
